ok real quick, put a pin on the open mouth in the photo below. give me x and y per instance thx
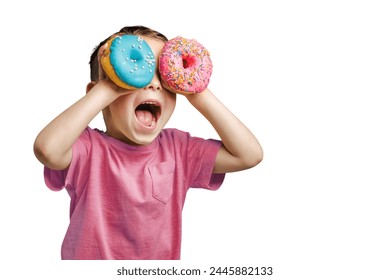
(148, 113)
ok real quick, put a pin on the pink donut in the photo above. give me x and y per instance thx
(185, 65)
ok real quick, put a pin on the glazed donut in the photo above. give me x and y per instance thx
(129, 61)
(185, 65)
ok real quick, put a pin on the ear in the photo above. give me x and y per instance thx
(90, 86)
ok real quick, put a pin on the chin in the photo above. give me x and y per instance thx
(145, 140)
(143, 137)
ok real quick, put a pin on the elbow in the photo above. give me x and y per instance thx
(253, 159)
(40, 152)
(46, 154)
(256, 158)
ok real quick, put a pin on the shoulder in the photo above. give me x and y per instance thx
(90, 137)
(184, 140)
(173, 139)
(178, 137)
(172, 133)
(90, 133)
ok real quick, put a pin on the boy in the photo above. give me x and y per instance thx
(128, 184)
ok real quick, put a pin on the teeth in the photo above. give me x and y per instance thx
(150, 103)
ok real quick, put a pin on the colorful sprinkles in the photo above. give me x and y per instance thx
(185, 65)
(134, 64)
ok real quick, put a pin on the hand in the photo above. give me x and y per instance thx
(164, 84)
(240, 149)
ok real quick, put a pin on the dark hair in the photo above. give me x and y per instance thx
(134, 30)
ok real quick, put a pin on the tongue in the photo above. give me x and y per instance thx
(145, 117)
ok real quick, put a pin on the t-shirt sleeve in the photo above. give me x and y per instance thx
(201, 155)
(74, 175)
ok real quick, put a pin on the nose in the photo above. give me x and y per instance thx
(154, 85)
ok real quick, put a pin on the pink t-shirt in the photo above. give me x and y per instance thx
(127, 201)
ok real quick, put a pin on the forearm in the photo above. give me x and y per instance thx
(245, 151)
(53, 144)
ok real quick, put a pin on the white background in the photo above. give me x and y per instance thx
(309, 78)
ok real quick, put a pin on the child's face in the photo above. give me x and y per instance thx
(138, 118)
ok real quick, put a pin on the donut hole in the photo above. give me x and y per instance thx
(135, 55)
(188, 60)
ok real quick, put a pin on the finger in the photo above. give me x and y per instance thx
(102, 49)
(103, 52)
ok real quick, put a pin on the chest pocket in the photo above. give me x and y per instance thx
(162, 175)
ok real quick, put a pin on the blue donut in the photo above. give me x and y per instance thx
(132, 60)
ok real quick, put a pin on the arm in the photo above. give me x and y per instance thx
(240, 149)
(53, 145)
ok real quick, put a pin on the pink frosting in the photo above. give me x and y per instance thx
(185, 65)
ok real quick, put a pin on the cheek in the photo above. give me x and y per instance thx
(171, 102)
(122, 108)
(164, 84)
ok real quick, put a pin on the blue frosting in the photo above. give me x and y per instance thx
(133, 60)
